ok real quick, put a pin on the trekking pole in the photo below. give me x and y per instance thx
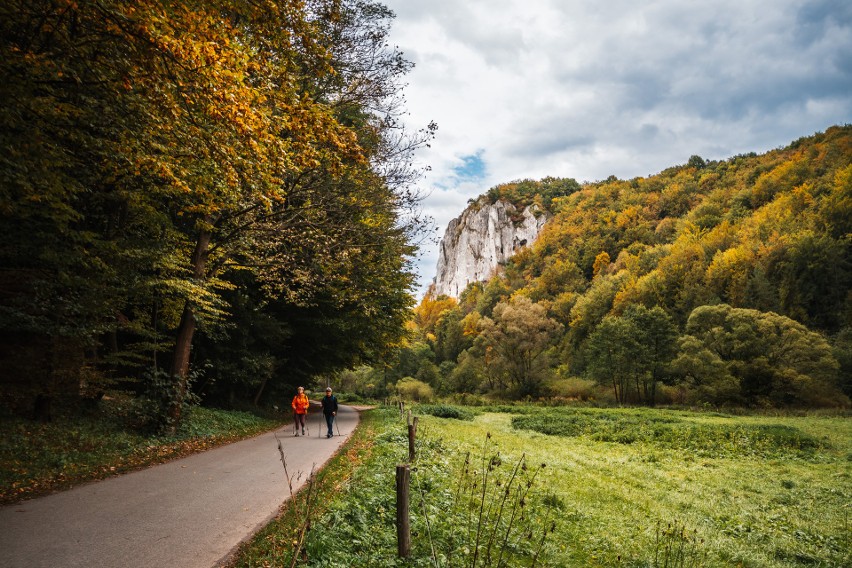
(336, 425)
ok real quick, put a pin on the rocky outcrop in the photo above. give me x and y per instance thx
(480, 240)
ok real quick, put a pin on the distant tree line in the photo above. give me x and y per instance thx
(202, 197)
(723, 283)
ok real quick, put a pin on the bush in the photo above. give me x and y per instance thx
(412, 389)
(573, 388)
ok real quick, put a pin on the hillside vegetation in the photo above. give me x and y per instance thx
(719, 282)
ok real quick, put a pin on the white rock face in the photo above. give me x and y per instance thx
(480, 240)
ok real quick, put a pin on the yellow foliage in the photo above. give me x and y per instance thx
(430, 310)
(601, 263)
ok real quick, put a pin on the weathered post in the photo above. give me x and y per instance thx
(412, 435)
(403, 522)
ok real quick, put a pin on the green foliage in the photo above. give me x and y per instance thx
(518, 338)
(572, 388)
(612, 354)
(631, 352)
(524, 193)
(774, 358)
(161, 392)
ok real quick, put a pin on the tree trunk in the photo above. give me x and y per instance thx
(260, 391)
(186, 329)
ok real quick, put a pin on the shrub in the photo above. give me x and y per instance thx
(573, 388)
(412, 389)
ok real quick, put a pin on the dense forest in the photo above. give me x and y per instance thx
(199, 199)
(714, 282)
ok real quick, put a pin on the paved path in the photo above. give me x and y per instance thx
(188, 513)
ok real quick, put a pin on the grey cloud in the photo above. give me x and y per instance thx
(546, 140)
(585, 90)
(815, 17)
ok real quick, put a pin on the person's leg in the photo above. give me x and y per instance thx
(329, 420)
(296, 422)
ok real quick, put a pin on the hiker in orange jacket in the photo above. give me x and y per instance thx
(300, 410)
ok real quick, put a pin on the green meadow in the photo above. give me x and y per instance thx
(525, 486)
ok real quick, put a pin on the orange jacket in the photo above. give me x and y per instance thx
(301, 403)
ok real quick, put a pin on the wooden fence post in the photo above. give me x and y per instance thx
(403, 522)
(412, 435)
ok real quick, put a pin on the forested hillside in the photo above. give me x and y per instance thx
(194, 194)
(712, 282)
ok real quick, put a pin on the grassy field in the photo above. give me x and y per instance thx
(581, 487)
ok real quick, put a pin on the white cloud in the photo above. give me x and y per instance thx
(586, 90)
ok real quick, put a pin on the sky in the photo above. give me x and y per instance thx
(585, 89)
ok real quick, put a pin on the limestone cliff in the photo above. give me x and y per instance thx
(480, 240)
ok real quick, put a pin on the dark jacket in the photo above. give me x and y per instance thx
(329, 404)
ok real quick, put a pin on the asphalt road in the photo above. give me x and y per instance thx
(188, 513)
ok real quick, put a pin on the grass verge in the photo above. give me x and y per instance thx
(36, 458)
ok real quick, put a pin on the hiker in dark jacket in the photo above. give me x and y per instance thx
(329, 410)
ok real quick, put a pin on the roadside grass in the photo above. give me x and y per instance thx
(455, 503)
(76, 447)
(350, 470)
(619, 487)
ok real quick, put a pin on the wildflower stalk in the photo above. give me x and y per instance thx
(496, 525)
(544, 533)
(486, 469)
(520, 503)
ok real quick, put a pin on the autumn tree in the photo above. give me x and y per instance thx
(166, 144)
(518, 336)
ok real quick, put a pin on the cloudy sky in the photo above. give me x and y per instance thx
(588, 89)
